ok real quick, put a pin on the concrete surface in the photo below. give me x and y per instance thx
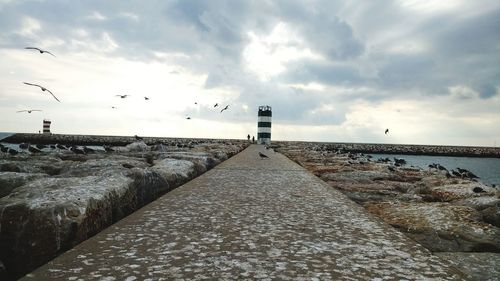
(249, 219)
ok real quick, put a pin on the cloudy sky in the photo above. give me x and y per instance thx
(340, 71)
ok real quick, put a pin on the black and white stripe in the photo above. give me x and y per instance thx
(264, 125)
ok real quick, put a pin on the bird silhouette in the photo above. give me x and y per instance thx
(146, 98)
(188, 118)
(122, 96)
(215, 105)
(40, 50)
(114, 107)
(263, 156)
(195, 102)
(29, 110)
(138, 138)
(43, 89)
(386, 131)
(225, 108)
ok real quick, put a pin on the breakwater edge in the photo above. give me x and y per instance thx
(58, 190)
(450, 212)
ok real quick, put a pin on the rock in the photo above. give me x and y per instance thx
(10, 180)
(440, 227)
(47, 216)
(491, 215)
(477, 266)
(138, 146)
(174, 171)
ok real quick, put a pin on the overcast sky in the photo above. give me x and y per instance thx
(340, 71)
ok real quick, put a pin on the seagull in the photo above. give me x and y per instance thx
(40, 50)
(225, 108)
(195, 102)
(216, 105)
(386, 131)
(43, 89)
(188, 118)
(146, 98)
(138, 138)
(122, 96)
(28, 110)
(263, 156)
(114, 107)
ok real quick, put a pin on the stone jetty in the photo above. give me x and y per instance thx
(250, 218)
(56, 194)
(450, 213)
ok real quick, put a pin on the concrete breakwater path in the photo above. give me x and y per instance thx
(249, 218)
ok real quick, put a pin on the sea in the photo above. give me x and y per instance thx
(487, 169)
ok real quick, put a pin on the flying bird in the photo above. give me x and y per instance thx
(146, 98)
(122, 96)
(188, 118)
(43, 89)
(225, 108)
(386, 131)
(114, 107)
(40, 50)
(195, 102)
(263, 156)
(215, 105)
(28, 110)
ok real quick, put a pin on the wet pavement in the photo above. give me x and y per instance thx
(250, 219)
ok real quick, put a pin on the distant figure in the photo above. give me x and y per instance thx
(39, 132)
(225, 108)
(215, 105)
(253, 139)
(40, 50)
(146, 98)
(188, 118)
(263, 156)
(386, 131)
(248, 138)
(122, 96)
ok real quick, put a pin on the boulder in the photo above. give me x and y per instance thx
(440, 227)
(43, 218)
(476, 266)
(11, 180)
(491, 215)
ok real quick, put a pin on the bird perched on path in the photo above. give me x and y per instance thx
(225, 108)
(43, 89)
(386, 131)
(122, 96)
(29, 110)
(263, 156)
(138, 138)
(40, 50)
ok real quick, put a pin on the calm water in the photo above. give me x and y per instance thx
(487, 169)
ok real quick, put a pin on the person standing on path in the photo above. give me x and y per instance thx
(248, 137)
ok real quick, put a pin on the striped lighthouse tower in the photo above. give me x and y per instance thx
(46, 126)
(264, 125)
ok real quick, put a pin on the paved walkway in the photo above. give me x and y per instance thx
(249, 219)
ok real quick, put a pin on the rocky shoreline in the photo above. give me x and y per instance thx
(58, 192)
(449, 212)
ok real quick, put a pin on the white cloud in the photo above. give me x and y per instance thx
(95, 15)
(267, 55)
(29, 28)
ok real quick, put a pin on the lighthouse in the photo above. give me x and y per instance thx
(264, 125)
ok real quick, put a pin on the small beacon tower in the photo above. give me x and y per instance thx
(264, 125)
(46, 126)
